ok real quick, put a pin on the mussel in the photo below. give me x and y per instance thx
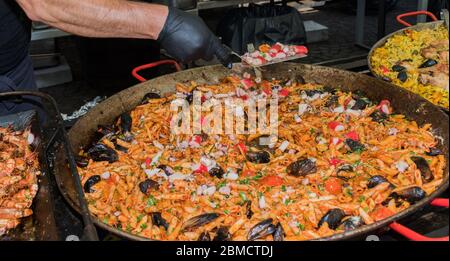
(258, 157)
(92, 180)
(332, 101)
(167, 170)
(150, 96)
(347, 169)
(222, 234)
(378, 116)
(433, 151)
(261, 230)
(248, 209)
(424, 168)
(330, 89)
(159, 221)
(204, 237)
(125, 126)
(412, 194)
(402, 76)
(354, 145)
(81, 161)
(375, 181)
(351, 223)
(147, 185)
(120, 148)
(311, 93)
(198, 221)
(361, 104)
(278, 234)
(216, 171)
(333, 217)
(301, 167)
(398, 68)
(101, 152)
(428, 63)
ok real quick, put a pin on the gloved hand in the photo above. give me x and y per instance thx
(187, 38)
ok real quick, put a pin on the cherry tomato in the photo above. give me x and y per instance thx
(201, 169)
(242, 147)
(283, 92)
(381, 213)
(272, 181)
(248, 173)
(300, 49)
(335, 161)
(333, 186)
(352, 135)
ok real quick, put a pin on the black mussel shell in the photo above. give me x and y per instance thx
(428, 63)
(301, 167)
(379, 116)
(412, 194)
(81, 161)
(258, 157)
(167, 170)
(402, 76)
(332, 101)
(311, 93)
(147, 185)
(361, 104)
(199, 221)
(91, 182)
(346, 168)
(125, 122)
(424, 168)
(375, 181)
(248, 209)
(330, 89)
(434, 152)
(398, 68)
(189, 97)
(101, 152)
(159, 221)
(262, 229)
(120, 148)
(354, 145)
(204, 237)
(150, 96)
(222, 234)
(351, 223)
(278, 234)
(333, 217)
(216, 171)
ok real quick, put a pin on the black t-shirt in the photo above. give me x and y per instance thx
(15, 32)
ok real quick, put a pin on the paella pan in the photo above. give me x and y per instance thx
(415, 58)
(210, 221)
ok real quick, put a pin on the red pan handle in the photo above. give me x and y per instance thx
(400, 20)
(412, 235)
(151, 65)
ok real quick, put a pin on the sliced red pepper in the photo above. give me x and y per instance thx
(244, 97)
(335, 161)
(201, 169)
(248, 83)
(197, 139)
(284, 92)
(381, 212)
(203, 98)
(333, 125)
(267, 90)
(333, 186)
(384, 69)
(272, 181)
(352, 135)
(347, 101)
(242, 147)
(148, 162)
(277, 47)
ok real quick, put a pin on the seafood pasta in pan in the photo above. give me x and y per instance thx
(339, 161)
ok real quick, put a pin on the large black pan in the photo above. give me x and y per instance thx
(407, 103)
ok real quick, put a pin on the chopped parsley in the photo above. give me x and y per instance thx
(321, 187)
(143, 226)
(288, 201)
(151, 201)
(139, 218)
(226, 212)
(129, 228)
(221, 184)
(361, 199)
(245, 181)
(283, 188)
(260, 194)
(177, 168)
(301, 226)
(243, 196)
(258, 176)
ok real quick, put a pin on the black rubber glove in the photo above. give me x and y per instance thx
(187, 38)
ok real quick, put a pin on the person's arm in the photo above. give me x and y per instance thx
(99, 18)
(184, 36)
